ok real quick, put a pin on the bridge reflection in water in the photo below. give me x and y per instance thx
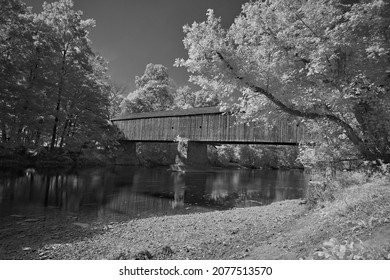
(133, 192)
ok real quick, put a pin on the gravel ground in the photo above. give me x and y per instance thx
(282, 230)
(232, 234)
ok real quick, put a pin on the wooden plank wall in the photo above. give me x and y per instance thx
(210, 127)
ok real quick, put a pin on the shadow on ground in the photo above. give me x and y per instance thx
(24, 237)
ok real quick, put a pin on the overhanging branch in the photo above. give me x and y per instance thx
(350, 132)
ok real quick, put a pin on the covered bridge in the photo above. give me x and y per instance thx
(201, 126)
(207, 125)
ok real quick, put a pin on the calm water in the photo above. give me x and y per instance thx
(133, 192)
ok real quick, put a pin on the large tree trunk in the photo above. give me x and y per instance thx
(64, 131)
(58, 107)
(54, 131)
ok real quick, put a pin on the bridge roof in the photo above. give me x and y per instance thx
(172, 113)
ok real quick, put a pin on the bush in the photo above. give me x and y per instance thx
(321, 191)
(347, 179)
(350, 249)
(258, 156)
(154, 154)
(226, 153)
(323, 188)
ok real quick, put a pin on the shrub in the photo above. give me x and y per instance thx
(321, 191)
(258, 156)
(226, 153)
(322, 188)
(347, 179)
(350, 249)
(156, 153)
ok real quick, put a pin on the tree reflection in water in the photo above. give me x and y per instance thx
(141, 192)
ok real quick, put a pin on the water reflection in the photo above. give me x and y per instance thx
(140, 192)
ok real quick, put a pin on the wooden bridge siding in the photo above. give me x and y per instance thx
(216, 127)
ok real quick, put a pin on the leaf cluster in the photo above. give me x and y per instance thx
(317, 60)
(53, 89)
(153, 92)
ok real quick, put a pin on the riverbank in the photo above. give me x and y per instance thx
(282, 230)
(59, 158)
(151, 155)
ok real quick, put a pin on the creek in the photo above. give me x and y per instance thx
(126, 192)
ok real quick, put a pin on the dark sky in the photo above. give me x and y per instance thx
(132, 33)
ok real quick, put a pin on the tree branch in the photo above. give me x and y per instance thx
(351, 134)
(307, 26)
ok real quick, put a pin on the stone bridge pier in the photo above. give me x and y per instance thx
(190, 155)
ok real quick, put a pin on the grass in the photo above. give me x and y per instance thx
(361, 204)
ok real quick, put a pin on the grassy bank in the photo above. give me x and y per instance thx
(357, 210)
(353, 224)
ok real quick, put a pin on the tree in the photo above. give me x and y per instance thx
(317, 60)
(153, 91)
(53, 87)
(79, 92)
(186, 98)
(84, 110)
(117, 94)
(70, 46)
(18, 72)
